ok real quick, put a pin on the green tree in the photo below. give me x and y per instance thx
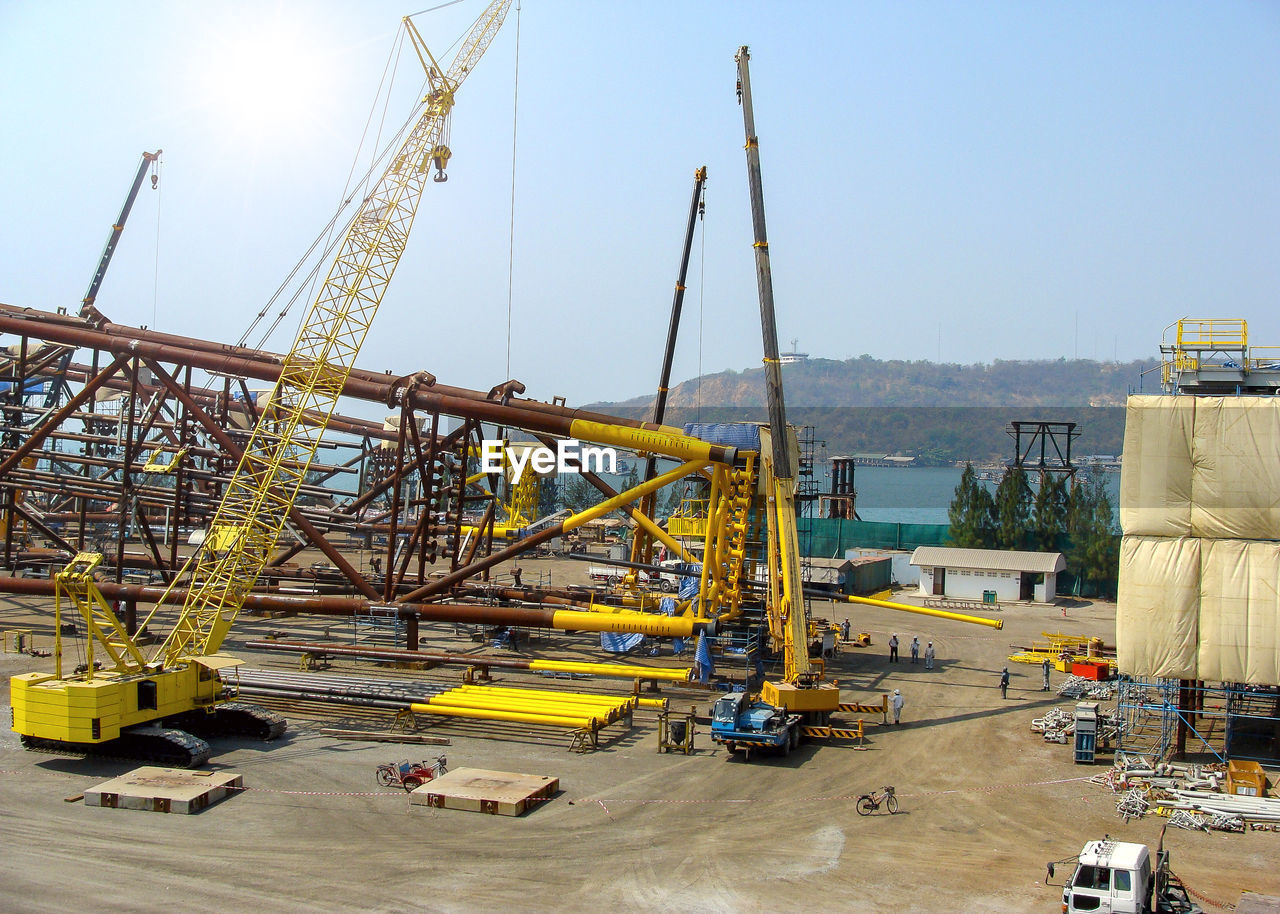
(1093, 553)
(1049, 513)
(1012, 509)
(972, 513)
(577, 494)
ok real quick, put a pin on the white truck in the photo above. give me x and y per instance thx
(1115, 877)
(666, 581)
(612, 574)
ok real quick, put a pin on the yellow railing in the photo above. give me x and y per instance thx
(1213, 333)
(690, 518)
(1263, 357)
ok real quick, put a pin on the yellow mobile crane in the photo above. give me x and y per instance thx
(179, 683)
(801, 689)
(801, 692)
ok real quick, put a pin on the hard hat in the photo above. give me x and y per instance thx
(897, 692)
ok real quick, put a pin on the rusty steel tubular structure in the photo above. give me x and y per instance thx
(133, 459)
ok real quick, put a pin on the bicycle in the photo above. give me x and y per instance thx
(870, 802)
(410, 774)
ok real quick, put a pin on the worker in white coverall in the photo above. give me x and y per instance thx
(929, 654)
(896, 704)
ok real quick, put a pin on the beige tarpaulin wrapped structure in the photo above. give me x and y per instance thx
(1158, 606)
(1200, 561)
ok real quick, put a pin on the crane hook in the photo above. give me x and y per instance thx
(440, 158)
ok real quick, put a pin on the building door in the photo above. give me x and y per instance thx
(939, 582)
(1027, 585)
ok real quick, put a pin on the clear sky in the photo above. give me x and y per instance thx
(970, 181)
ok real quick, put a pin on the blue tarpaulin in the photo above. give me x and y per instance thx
(667, 606)
(742, 435)
(702, 665)
(689, 586)
(620, 642)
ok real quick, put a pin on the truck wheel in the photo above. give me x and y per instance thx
(795, 736)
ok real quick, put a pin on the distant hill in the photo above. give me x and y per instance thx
(865, 381)
(939, 412)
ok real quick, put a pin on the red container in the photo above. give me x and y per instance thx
(1088, 670)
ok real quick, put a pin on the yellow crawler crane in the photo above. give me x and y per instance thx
(179, 681)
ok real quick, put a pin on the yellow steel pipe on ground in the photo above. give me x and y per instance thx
(585, 716)
(614, 670)
(515, 704)
(610, 709)
(546, 694)
(926, 611)
(652, 703)
(573, 723)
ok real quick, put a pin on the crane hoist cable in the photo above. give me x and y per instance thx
(307, 286)
(261, 492)
(511, 227)
(347, 197)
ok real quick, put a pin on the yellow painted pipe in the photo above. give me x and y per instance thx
(926, 611)
(525, 702)
(661, 535)
(520, 704)
(574, 521)
(671, 442)
(644, 623)
(606, 705)
(542, 709)
(547, 694)
(652, 703)
(614, 670)
(573, 723)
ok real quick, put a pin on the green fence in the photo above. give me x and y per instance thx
(829, 537)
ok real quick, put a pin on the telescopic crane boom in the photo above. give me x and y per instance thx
(150, 161)
(800, 689)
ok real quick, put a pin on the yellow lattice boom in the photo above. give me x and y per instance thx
(265, 484)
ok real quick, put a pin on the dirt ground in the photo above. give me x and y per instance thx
(984, 804)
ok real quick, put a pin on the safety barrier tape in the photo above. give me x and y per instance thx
(1225, 905)
(814, 799)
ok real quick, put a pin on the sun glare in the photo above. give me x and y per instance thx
(262, 80)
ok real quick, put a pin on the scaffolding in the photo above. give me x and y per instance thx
(1164, 719)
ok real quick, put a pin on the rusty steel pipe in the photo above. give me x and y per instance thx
(316, 605)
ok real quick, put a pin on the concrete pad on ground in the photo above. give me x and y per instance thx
(500, 793)
(175, 790)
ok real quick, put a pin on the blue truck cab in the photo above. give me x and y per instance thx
(740, 723)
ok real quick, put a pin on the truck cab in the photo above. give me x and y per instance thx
(1112, 877)
(740, 723)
